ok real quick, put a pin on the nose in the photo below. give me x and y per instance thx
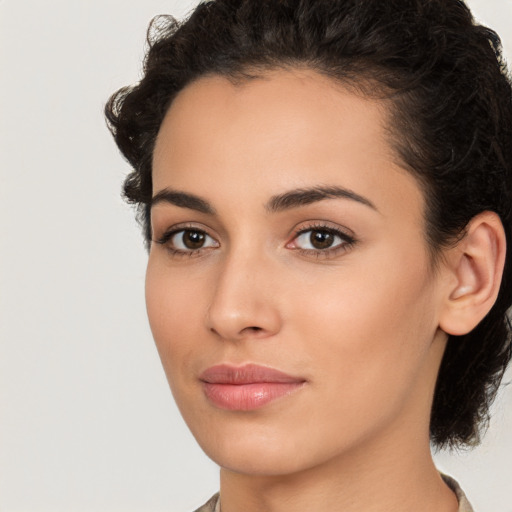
(244, 302)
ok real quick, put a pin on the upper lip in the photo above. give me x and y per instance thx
(246, 374)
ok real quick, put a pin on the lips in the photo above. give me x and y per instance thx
(246, 387)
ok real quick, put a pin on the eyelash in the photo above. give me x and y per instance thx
(179, 253)
(347, 241)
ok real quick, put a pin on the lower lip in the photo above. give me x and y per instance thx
(247, 397)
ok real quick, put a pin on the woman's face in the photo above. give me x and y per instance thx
(286, 236)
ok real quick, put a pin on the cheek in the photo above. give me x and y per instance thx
(175, 313)
(371, 326)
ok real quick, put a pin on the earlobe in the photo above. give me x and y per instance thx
(476, 264)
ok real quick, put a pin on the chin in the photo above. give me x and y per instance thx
(257, 460)
(255, 451)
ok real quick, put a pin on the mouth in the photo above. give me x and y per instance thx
(248, 387)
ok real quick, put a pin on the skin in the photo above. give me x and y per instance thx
(360, 324)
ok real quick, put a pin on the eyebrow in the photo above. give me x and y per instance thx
(278, 203)
(183, 200)
(305, 196)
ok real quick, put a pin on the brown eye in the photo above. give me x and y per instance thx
(187, 240)
(321, 239)
(193, 239)
(318, 239)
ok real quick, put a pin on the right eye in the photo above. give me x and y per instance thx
(188, 240)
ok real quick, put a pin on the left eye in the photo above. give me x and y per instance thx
(319, 239)
(191, 240)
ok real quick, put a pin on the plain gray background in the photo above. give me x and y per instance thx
(86, 420)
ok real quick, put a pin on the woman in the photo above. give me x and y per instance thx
(325, 191)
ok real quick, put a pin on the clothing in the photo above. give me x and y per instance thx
(464, 505)
(213, 504)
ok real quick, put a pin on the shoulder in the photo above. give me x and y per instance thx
(212, 505)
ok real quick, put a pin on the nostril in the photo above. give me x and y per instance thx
(246, 329)
(251, 330)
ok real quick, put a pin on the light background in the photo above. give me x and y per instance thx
(86, 420)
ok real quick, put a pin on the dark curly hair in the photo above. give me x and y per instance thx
(451, 126)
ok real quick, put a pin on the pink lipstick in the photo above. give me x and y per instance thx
(248, 387)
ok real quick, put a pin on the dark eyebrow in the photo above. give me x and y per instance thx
(183, 200)
(305, 196)
(280, 202)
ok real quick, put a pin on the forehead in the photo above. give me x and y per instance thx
(285, 129)
(278, 106)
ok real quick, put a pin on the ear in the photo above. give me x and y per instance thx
(475, 266)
